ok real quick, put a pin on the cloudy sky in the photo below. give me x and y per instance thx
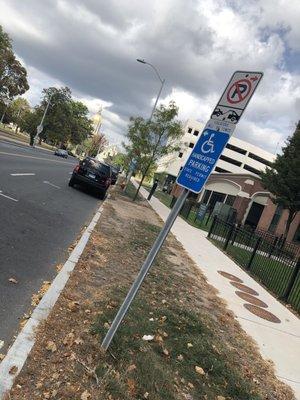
(92, 45)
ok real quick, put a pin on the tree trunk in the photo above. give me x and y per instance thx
(140, 184)
(291, 216)
(143, 177)
(31, 140)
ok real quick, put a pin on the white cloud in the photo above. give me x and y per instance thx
(91, 47)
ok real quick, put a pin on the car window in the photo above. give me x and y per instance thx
(103, 168)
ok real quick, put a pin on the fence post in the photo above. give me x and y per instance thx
(229, 234)
(273, 245)
(254, 252)
(235, 232)
(212, 226)
(292, 280)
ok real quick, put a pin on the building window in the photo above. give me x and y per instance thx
(297, 235)
(191, 145)
(180, 155)
(275, 219)
(190, 130)
(215, 198)
(235, 148)
(230, 199)
(196, 133)
(251, 169)
(259, 159)
(221, 170)
(231, 160)
(206, 196)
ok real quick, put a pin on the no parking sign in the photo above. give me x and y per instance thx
(213, 139)
(236, 96)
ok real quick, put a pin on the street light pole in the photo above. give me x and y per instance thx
(162, 81)
(39, 128)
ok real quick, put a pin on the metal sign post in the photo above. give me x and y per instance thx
(144, 270)
(197, 169)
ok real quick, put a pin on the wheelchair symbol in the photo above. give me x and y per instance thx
(208, 145)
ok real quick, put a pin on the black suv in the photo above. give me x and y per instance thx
(92, 173)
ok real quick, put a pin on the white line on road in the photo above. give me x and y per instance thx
(8, 197)
(23, 174)
(51, 184)
(36, 158)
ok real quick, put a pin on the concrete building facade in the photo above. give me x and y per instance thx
(239, 157)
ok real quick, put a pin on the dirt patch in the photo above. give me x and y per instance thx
(262, 313)
(244, 288)
(251, 299)
(197, 350)
(230, 276)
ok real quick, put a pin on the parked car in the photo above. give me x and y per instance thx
(61, 153)
(71, 154)
(114, 174)
(94, 174)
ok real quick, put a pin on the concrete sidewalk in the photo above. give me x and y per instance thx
(278, 342)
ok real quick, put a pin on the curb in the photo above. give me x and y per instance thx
(20, 349)
(12, 140)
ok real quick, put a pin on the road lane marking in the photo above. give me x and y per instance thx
(37, 158)
(23, 174)
(8, 197)
(51, 184)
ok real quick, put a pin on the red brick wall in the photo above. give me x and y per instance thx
(240, 204)
(294, 225)
(267, 215)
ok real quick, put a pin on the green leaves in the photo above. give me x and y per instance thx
(13, 76)
(283, 179)
(148, 141)
(66, 120)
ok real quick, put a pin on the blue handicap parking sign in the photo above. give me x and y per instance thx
(202, 160)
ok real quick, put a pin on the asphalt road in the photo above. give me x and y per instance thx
(40, 217)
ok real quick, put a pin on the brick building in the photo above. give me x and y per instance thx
(253, 203)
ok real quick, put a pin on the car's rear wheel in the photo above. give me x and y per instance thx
(72, 182)
(102, 194)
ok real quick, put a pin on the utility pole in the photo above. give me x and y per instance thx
(40, 127)
(162, 81)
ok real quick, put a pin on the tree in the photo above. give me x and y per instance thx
(66, 121)
(57, 129)
(30, 121)
(94, 145)
(148, 141)
(121, 160)
(17, 111)
(81, 126)
(13, 76)
(283, 178)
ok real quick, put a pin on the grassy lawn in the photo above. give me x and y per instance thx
(187, 353)
(166, 200)
(130, 191)
(194, 348)
(22, 137)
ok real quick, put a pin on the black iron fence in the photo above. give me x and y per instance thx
(275, 263)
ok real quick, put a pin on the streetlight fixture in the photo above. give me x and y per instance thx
(162, 81)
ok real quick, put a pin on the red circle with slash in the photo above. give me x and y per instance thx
(238, 91)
